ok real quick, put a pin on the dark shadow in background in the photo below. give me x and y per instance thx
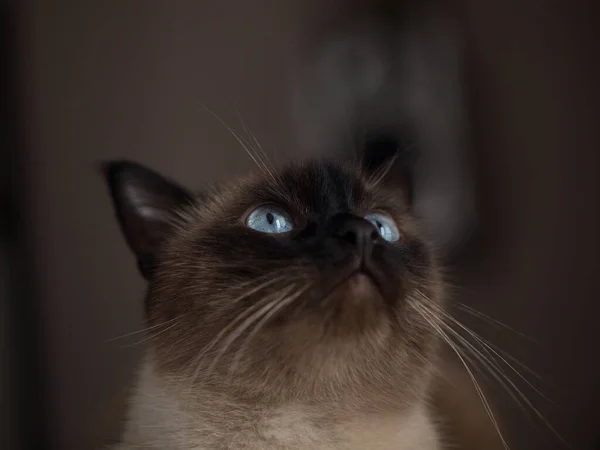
(22, 395)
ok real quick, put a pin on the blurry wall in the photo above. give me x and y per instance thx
(127, 79)
(536, 115)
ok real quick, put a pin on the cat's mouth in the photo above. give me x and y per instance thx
(363, 286)
(359, 282)
(352, 302)
(364, 271)
(366, 277)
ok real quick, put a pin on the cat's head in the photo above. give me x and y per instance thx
(310, 281)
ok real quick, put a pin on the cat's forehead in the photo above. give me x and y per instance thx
(316, 187)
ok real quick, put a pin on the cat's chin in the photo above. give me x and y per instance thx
(353, 306)
(361, 287)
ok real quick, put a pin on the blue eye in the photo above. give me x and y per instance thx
(269, 219)
(385, 225)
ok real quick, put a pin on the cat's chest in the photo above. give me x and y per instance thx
(293, 428)
(158, 422)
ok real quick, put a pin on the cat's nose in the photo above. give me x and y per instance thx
(355, 231)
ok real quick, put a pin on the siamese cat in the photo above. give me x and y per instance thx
(297, 308)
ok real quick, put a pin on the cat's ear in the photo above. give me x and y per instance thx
(146, 206)
(390, 160)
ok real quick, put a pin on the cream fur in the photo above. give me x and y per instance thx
(157, 422)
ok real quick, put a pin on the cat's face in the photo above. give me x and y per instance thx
(300, 283)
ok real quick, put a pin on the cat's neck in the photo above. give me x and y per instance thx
(160, 420)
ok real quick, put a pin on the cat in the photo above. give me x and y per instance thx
(296, 308)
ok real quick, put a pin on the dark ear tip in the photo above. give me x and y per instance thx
(106, 169)
(384, 149)
(112, 169)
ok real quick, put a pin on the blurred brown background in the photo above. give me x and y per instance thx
(92, 80)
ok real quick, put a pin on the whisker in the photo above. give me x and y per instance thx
(282, 303)
(151, 337)
(504, 380)
(481, 315)
(507, 384)
(197, 361)
(237, 332)
(495, 372)
(251, 143)
(232, 326)
(237, 137)
(490, 365)
(381, 173)
(143, 330)
(488, 347)
(264, 158)
(431, 319)
(505, 356)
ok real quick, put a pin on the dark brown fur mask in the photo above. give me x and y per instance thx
(308, 283)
